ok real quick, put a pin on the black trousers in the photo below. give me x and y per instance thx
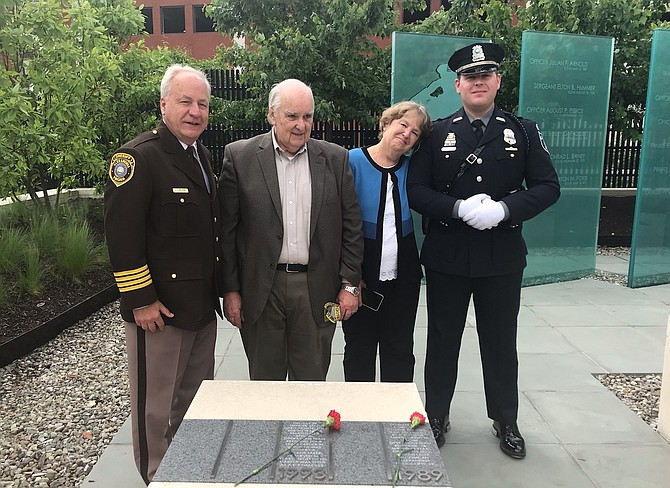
(391, 328)
(496, 300)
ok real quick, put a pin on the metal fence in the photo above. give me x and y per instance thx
(622, 155)
(622, 160)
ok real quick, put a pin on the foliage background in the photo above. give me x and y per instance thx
(73, 88)
(69, 92)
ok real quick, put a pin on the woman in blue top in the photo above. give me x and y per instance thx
(390, 260)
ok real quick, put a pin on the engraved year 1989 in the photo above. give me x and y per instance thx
(422, 475)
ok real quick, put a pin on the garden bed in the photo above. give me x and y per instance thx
(54, 271)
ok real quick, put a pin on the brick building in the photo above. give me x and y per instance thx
(181, 23)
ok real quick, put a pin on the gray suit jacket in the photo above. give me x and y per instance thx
(251, 218)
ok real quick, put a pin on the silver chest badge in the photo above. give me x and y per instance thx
(449, 142)
(509, 136)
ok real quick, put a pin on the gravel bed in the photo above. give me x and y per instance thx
(607, 276)
(640, 393)
(62, 405)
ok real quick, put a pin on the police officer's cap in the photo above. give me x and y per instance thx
(480, 57)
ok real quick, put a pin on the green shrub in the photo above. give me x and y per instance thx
(32, 279)
(41, 248)
(78, 251)
(44, 232)
(12, 245)
(14, 216)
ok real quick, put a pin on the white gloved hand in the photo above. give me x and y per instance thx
(487, 215)
(471, 203)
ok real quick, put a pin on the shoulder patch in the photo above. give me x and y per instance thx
(121, 168)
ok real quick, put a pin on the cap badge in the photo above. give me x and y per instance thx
(477, 53)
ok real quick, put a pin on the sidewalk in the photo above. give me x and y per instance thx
(578, 434)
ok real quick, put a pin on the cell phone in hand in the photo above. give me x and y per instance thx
(372, 299)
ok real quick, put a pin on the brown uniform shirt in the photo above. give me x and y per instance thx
(162, 228)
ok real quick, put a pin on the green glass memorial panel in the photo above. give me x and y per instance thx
(419, 72)
(650, 245)
(565, 87)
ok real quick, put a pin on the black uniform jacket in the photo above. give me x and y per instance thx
(514, 167)
(162, 228)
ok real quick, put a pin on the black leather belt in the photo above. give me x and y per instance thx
(292, 268)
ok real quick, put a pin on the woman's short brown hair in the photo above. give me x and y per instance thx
(397, 110)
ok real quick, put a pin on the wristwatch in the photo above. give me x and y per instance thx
(354, 290)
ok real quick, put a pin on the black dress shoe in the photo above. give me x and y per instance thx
(511, 442)
(439, 426)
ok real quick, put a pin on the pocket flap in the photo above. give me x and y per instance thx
(176, 269)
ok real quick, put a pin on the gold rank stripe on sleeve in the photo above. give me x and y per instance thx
(133, 279)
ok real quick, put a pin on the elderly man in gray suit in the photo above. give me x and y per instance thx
(291, 240)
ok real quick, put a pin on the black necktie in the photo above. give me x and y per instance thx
(194, 155)
(478, 127)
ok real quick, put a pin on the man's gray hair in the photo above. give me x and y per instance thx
(174, 70)
(274, 99)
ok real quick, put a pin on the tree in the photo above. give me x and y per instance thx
(56, 60)
(491, 19)
(327, 44)
(134, 93)
(630, 22)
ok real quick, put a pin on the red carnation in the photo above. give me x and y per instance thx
(332, 420)
(417, 419)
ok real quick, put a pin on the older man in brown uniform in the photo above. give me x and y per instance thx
(162, 224)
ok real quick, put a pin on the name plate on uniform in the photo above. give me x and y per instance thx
(360, 453)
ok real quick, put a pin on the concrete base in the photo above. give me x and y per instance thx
(664, 409)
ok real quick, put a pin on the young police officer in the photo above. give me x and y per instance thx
(478, 176)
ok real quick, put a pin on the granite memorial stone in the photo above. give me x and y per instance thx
(360, 453)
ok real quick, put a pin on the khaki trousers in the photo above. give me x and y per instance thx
(285, 340)
(165, 370)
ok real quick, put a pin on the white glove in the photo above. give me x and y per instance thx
(487, 215)
(471, 203)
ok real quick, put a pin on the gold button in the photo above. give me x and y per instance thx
(479, 161)
(214, 219)
(217, 259)
(173, 275)
(511, 155)
(217, 239)
(479, 179)
(181, 200)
